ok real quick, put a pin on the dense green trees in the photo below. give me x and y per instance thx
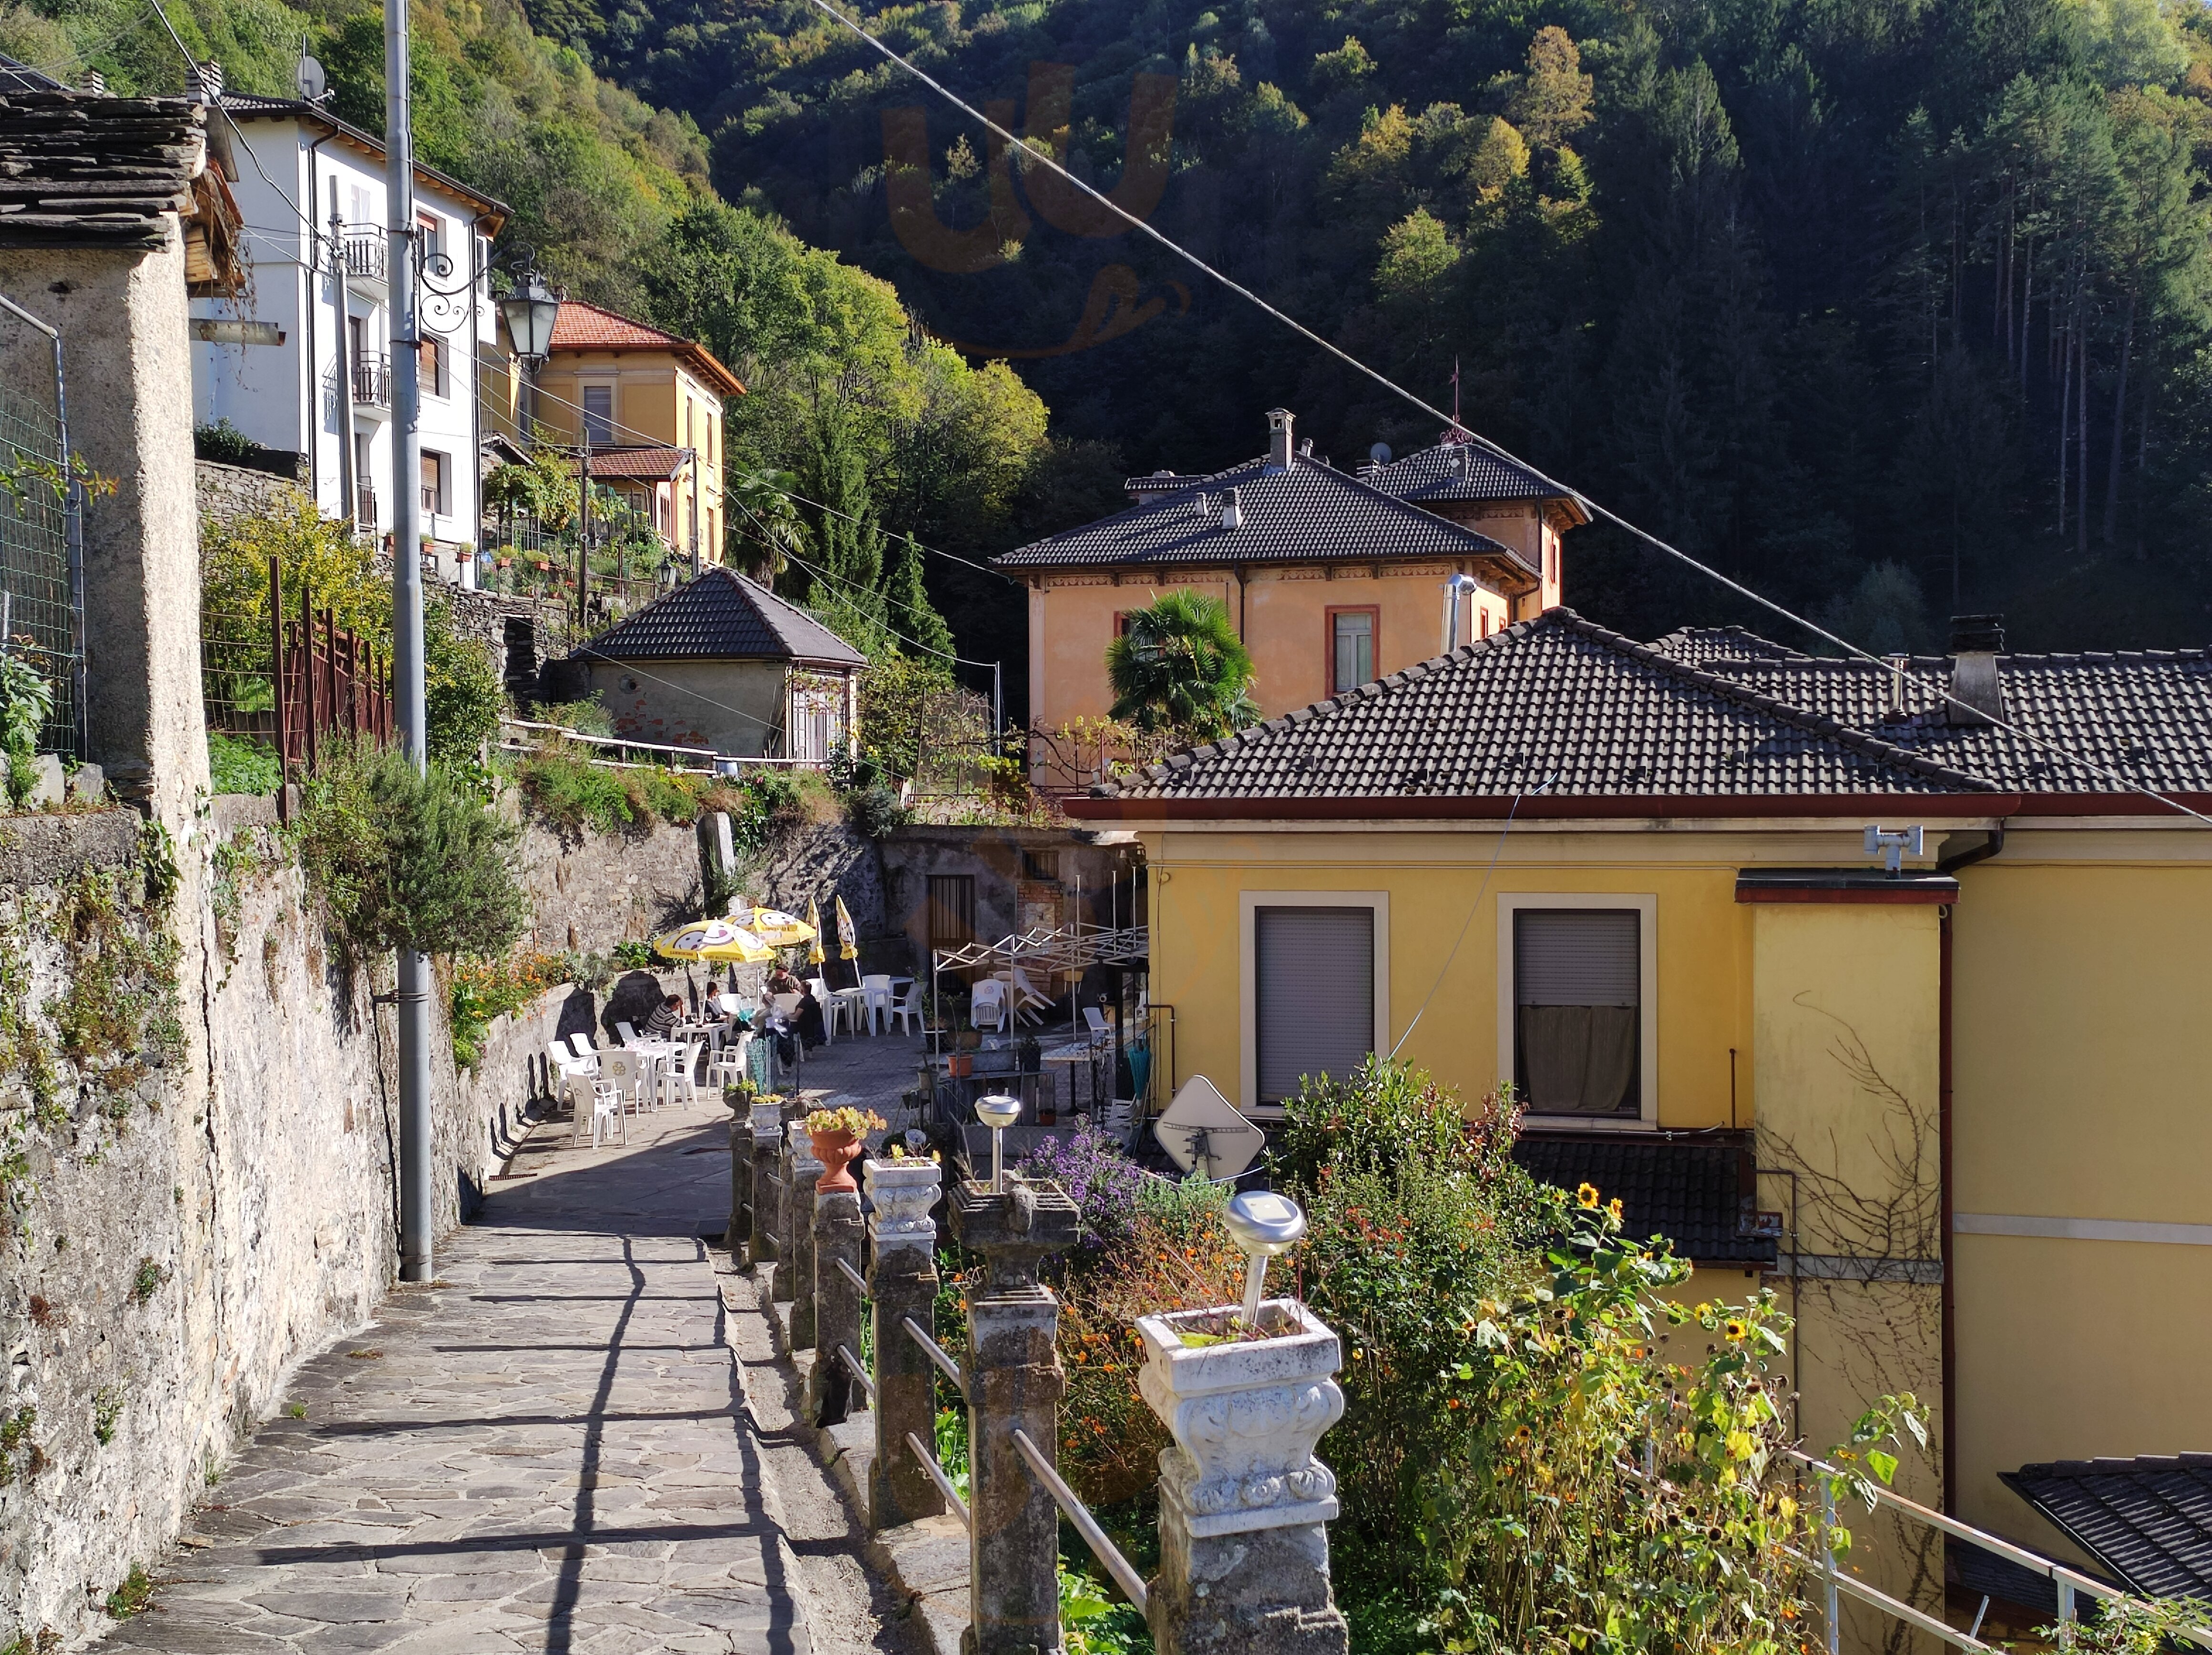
(1811, 289)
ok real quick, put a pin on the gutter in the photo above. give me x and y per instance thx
(1428, 807)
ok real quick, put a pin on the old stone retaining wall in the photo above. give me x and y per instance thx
(178, 1236)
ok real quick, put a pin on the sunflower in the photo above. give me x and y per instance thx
(1614, 1207)
(1735, 1328)
(1587, 1195)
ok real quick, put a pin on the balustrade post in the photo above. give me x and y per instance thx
(766, 1135)
(837, 1232)
(1244, 1505)
(786, 1250)
(903, 1286)
(803, 1172)
(1015, 1381)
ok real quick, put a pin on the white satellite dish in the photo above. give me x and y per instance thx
(1380, 453)
(1203, 1133)
(310, 79)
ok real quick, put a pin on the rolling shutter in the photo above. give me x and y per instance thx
(1576, 957)
(1314, 993)
(1576, 1002)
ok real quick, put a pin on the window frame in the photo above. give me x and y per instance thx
(585, 416)
(1249, 903)
(1646, 906)
(443, 465)
(1374, 614)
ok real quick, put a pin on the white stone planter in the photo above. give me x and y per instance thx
(902, 1192)
(1245, 1416)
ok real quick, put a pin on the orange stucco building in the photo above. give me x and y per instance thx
(1332, 579)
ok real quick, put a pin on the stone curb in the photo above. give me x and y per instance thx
(926, 1561)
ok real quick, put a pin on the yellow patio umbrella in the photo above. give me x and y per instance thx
(774, 926)
(848, 934)
(714, 939)
(814, 955)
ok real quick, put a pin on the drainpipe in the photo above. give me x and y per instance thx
(348, 484)
(315, 304)
(1951, 864)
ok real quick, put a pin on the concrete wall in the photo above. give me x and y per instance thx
(174, 1248)
(733, 706)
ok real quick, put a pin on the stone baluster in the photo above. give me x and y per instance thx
(784, 1285)
(1015, 1381)
(765, 1140)
(1244, 1505)
(902, 1285)
(799, 1195)
(837, 1232)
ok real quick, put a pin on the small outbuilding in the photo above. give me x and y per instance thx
(722, 661)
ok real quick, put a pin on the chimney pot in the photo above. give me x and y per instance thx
(1278, 438)
(1232, 511)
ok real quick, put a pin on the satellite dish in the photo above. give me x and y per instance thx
(1203, 1133)
(1380, 453)
(310, 80)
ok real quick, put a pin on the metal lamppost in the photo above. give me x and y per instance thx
(530, 312)
(997, 1112)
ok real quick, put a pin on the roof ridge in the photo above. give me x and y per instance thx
(1828, 729)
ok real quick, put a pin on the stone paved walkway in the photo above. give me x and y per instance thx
(549, 1449)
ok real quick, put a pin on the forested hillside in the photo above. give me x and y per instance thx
(1890, 305)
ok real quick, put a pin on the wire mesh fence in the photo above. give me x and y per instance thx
(42, 507)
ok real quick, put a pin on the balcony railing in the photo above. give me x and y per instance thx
(372, 381)
(365, 250)
(364, 505)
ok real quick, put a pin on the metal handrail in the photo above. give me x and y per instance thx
(2067, 1581)
(852, 1365)
(935, 1351)
(1103, 1549)
(937, 1476)
(768, 1236)
(859, 1280)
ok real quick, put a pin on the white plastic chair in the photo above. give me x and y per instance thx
(830, 1005)
(1025, 991)
(906, 1009)
(582, 1046)
(628, 1034)
(1095, 1020)
(678, 1082)
(563, 1072)
(988, 1003)
(785, 1006)
(607, 1114)
(629, 1072)
(876, 999)
(729, 1065)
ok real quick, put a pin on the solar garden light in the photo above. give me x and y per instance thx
(998, 1112)
(1262, 1224)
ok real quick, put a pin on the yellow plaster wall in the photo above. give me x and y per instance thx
(652, 388)
(1431, 879)
(2082, 1062)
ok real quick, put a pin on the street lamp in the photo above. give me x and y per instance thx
(530, 311)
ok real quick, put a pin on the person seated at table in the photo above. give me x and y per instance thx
(661, 1026)
(781, 981)
(808, 1019)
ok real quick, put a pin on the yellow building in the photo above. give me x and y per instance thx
(1331, 579)
(650, 404)
(1954, 1115)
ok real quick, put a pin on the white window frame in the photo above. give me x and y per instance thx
(1249, 903)
(1647, 993)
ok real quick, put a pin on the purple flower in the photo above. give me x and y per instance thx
(1097, 1176)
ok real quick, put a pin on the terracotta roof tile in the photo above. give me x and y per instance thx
(650, 464)
(581, 325)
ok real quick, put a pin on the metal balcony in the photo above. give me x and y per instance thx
(365, 251)
(372, 381)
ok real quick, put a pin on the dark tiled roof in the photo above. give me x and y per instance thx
(1302, 513)
(1553, 699)
(1459, 471)
(81, 170)
(1697, 1193)
(2148, 1520)
(1700, 646)
(723, 617)
(2145, 715)
(21, 77)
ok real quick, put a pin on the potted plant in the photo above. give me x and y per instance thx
(1246, 1406)
(837, 1135)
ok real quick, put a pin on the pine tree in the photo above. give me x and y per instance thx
(848, 547)
(912, 616)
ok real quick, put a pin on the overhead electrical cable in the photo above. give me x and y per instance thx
(1030, 157)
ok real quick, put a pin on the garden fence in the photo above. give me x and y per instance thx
(42, 501)
(1075, 757)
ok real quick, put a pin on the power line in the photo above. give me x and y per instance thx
(1033, 158)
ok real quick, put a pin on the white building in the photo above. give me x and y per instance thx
(314, 377)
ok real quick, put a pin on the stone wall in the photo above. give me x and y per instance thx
(227, 493)
(176, 1244)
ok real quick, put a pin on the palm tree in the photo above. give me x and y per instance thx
(1180, 666)
(765, 514)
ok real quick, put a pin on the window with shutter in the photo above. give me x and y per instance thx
(1314, 995)
(1578, 1010)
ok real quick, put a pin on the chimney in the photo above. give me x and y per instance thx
(1279, 440)
(205, 83)
(1892, 704)
(1977, 641)
(1232, 510)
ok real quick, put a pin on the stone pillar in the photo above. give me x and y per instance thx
(767, 1137)
(785, 1288)
(1244, 1505)
(837, 1232)
(798, 1201)
(739, 1227)
(1015, 1381)
(902, 1285)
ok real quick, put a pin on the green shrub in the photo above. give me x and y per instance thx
(26, 702)
(240, 763)
(223, 443)
(409, 860)
(463, 696)
(587, 716)
(876, 811)
(634, 956)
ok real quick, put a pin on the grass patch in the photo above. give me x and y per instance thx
(240, 764)
(134, 1596)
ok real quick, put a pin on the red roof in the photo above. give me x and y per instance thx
(652, 464)
(581, 325)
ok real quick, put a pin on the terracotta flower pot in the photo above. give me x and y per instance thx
(961, 1064)
(836, 1151)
